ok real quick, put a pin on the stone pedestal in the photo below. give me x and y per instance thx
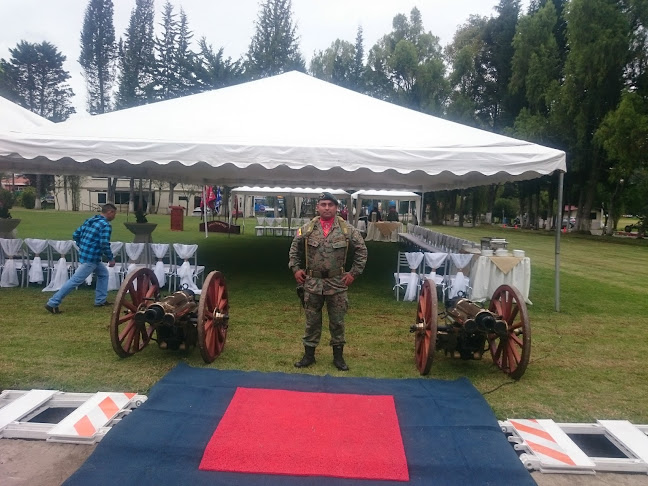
(8, 228)
(142, 231)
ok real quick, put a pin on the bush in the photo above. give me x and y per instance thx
(507, 206)
(7, 200)
(28, 198)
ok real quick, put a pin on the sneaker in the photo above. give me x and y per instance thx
(103, 304)
(53, 310)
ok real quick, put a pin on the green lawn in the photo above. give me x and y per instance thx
(587, 362)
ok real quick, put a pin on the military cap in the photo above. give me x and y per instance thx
(327, 196)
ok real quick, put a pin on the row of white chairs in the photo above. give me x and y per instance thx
(278, 226)
(52, 262)
(447, 270)
(440, 241)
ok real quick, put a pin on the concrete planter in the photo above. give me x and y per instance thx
(8, 228)
(142, 231)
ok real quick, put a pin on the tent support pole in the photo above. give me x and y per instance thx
(204, 196)
(561, 178)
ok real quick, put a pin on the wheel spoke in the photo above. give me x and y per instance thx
(127, 317)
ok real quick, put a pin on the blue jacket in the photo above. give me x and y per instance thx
(93, 239)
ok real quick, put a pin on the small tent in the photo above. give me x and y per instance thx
(397, 196)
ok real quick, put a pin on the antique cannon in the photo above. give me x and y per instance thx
(470, 330)
(177, 321)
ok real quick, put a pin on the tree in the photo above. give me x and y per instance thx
(358, 68)
(335, 64)
(624, 136)
(166, 45)
(137, 57)
(598, 34)
(464, 82)
(98, 54)
(274, 47)
(37, 80)
(212, 70)
(406, 66)
(496, 107)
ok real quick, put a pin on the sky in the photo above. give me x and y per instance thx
(230, 23)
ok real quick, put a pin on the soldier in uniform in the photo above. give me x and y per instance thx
(317, 257)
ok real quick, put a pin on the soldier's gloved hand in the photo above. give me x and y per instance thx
(348, 279)
(300, 276)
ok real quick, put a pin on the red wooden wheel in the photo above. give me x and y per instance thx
(510, 345)
(426, 328)
(137, 292)
(213, 316)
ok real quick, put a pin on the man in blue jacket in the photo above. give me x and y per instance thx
(93, 240)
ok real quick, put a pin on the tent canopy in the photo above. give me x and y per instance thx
(286, 130)
(288, 191)
(15, 117)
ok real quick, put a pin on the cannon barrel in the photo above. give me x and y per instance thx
(168, 310)
(474, 318)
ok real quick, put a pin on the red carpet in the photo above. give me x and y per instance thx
(308, 434)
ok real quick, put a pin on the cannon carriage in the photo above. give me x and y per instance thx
(178, 321)
(469, 330)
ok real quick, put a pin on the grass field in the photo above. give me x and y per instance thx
(587, 362)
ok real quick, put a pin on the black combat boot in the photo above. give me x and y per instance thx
(308, 358)
(338, 359)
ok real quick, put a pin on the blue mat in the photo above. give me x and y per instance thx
(449, 432)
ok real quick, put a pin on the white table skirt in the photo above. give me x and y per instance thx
(486, 277)
(374, 233)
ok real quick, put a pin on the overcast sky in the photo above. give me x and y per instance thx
(230, 23)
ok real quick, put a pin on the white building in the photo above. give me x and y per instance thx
(93, 194)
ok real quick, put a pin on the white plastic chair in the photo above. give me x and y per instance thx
(279, 228)
(63, 268)
(12, 256)
(188, 273)
(259, 229)
(116, 273)
(406, 276)
(459, 282)
(433, 261)
(38, 268)
(134, 252)
(161, 269)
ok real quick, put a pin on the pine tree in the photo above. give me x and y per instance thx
(166, 45)
(212, 70)
(274, 48)
(37, 80)
(98, 54)
(137, 57)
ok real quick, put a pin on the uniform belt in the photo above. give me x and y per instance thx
(325, 273)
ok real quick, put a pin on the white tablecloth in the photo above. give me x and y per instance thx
(384, 231)
(485, 277)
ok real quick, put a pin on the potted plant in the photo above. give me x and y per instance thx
(7, 223)
(141, 228)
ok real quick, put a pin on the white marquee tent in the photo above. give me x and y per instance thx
(286, 130)
(382, 194)
(15, 117)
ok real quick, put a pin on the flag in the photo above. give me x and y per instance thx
(217, 199)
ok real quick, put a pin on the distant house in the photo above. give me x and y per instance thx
(94, 193)
(16, 183)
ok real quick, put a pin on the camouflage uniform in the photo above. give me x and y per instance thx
(326, 254)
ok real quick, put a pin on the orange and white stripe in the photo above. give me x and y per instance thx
(95, 413)
(550, 444)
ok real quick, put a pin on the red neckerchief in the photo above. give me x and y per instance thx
(327, 224)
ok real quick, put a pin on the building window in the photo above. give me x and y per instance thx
(101, 198)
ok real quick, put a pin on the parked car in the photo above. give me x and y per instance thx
(49, 199)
